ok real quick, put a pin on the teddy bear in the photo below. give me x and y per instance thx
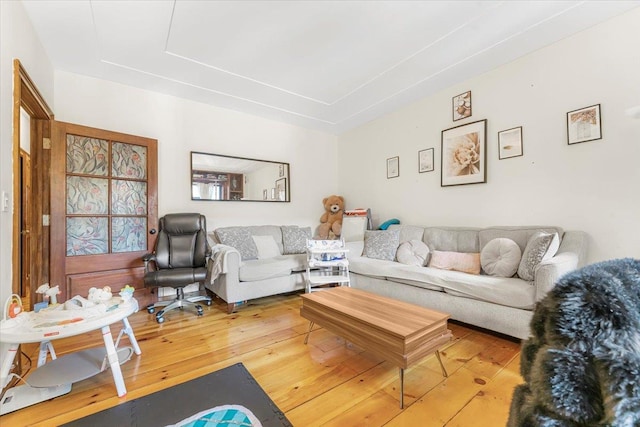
(331, 219)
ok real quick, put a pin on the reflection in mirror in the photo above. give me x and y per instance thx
(219, 177)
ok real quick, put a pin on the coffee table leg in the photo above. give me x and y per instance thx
(306, 339)
(401, 388)
(444, 371)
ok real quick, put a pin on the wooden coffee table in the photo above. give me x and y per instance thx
(399, 332)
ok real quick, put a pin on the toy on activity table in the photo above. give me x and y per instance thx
(99, 295)
(49, 293)
(126, 294)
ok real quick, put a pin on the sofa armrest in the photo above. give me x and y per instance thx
(228, 257)
(570, 256)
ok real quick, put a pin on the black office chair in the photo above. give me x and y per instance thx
(180, 259)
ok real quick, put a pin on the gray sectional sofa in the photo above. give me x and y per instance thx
(257, 261)
(502, 304)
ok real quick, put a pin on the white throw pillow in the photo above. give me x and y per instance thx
(500, 257)
(267, 246)
(541, 246)
(413, 252)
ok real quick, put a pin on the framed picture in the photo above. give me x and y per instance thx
(273, 194)
(510, 143)
(584, 125)
(462, 106)
(265, 194)
(464, 154)
(425, 160)
(281, 189)
(393, 167)
(280, 171)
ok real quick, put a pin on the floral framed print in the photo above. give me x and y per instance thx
(393, 167)
(510, 143)
(584, 125)
(464, 154)
(462, 106)
(425, 160)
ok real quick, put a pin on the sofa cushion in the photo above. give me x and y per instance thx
(500, 257)
(295, 238)
(267, 246)
(240, 239)
(457, 261)
(413, 252)
(452, 239)
(262, 269)
(381, 244)
(408, 232)
(372, 267)
(541, 246)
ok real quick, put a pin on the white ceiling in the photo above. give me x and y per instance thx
(328, 65)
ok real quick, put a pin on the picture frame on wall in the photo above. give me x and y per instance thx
(584, 125)
(510, 143)
(281, 189)
(280, 171)
(265, 194)
(393, 167)
(461, 105)
(425, 160)
(464, 154)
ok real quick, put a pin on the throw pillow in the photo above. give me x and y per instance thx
(413, 252)
(267, 246)
(295, 238)
(500, 257)
(240, 239)
(381, 244)
(458, 261)
(540, 246)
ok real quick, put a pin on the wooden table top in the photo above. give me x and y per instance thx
(395, 317)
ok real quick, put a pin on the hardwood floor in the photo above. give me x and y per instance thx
(327, 382)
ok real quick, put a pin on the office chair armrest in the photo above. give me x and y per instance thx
(147, 258)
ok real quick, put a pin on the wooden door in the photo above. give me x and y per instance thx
(104, 207)
(25, 229)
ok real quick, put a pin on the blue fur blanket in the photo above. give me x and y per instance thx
(581, 365)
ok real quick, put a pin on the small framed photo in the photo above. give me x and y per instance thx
(265, 194)
(462, 106)
(510, 143)
(393, 167)
(425, 160)
(281, 171)
(584, 125)
(464, 154)
(273, 194)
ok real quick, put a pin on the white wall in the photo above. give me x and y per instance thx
(181, 126)
(592, 186)
(17, 40)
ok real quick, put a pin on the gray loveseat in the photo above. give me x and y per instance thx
(502, 304)
(257, 261)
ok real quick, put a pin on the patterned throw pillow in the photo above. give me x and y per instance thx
(381, 244)
(539, 247)
(295, 238)
(240, 239)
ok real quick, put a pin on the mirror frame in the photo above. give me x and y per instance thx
(268, 194)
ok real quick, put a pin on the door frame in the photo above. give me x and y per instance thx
(27, 96)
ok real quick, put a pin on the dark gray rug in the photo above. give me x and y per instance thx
(233, 385)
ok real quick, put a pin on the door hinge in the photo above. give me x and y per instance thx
(46, 143)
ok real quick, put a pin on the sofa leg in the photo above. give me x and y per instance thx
(231, 307)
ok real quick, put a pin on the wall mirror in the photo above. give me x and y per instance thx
(228, 178)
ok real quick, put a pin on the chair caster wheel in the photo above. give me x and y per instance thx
(209, 302)
(151, 310)
(199, 310)
(160, 319)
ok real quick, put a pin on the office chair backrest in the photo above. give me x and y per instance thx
(182, 241)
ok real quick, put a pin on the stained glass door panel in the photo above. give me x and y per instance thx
(104, 223)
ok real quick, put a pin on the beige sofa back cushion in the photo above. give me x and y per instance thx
(520, 235)
(452, 239)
